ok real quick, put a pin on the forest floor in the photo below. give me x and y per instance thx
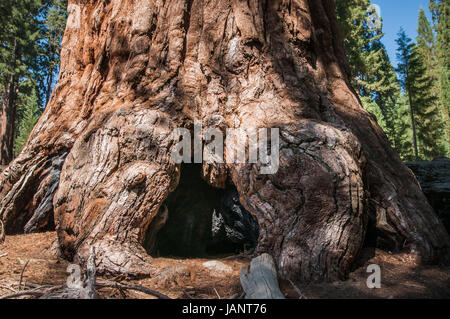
(31, 257)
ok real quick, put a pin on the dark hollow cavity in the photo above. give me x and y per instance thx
(198, 220)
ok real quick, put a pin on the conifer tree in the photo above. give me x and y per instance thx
(52, 33)
(417, 86)
(30, 115)
(426, 46)
(440, 10)
(29, 60)
(374, 76)
(360, 42)
(402, 128)
(426, 39)
(18, 37)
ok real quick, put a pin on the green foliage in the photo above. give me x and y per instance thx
(440, 10)
(18, 36)
(418, 85)
(427, 46)
(49, 59)
(361, 42)
(30, 38)
(404, 100)
(426, 39)
(402, 128)
(30, 113)
(374, 76)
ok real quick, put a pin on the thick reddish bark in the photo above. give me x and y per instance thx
(135, 70)
(7, 123)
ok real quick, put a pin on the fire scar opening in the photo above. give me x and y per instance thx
(198, 220)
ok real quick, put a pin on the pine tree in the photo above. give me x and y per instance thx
(30, 112)
(426, 46)
(418, 85)
(19, 36)
(402, 128)
(360, 42)
(386, 103)
(440, 10)
(52, 33)
(29, 61)
(426, 39)
(387, 96)
(374, 76)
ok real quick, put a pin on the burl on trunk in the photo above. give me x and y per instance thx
(99, 160)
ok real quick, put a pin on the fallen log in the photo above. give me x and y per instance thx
(35, 292)
(119, 285)
(434, 179)
(259, 280)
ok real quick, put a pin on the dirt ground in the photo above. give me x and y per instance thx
(188, 278)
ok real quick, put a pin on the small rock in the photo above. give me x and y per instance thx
(217, 266)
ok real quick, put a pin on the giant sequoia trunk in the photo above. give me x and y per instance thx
(99, 159)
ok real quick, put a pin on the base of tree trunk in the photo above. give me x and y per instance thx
(99, 161)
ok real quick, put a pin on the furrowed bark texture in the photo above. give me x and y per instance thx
(7, 119)
(134, 70)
